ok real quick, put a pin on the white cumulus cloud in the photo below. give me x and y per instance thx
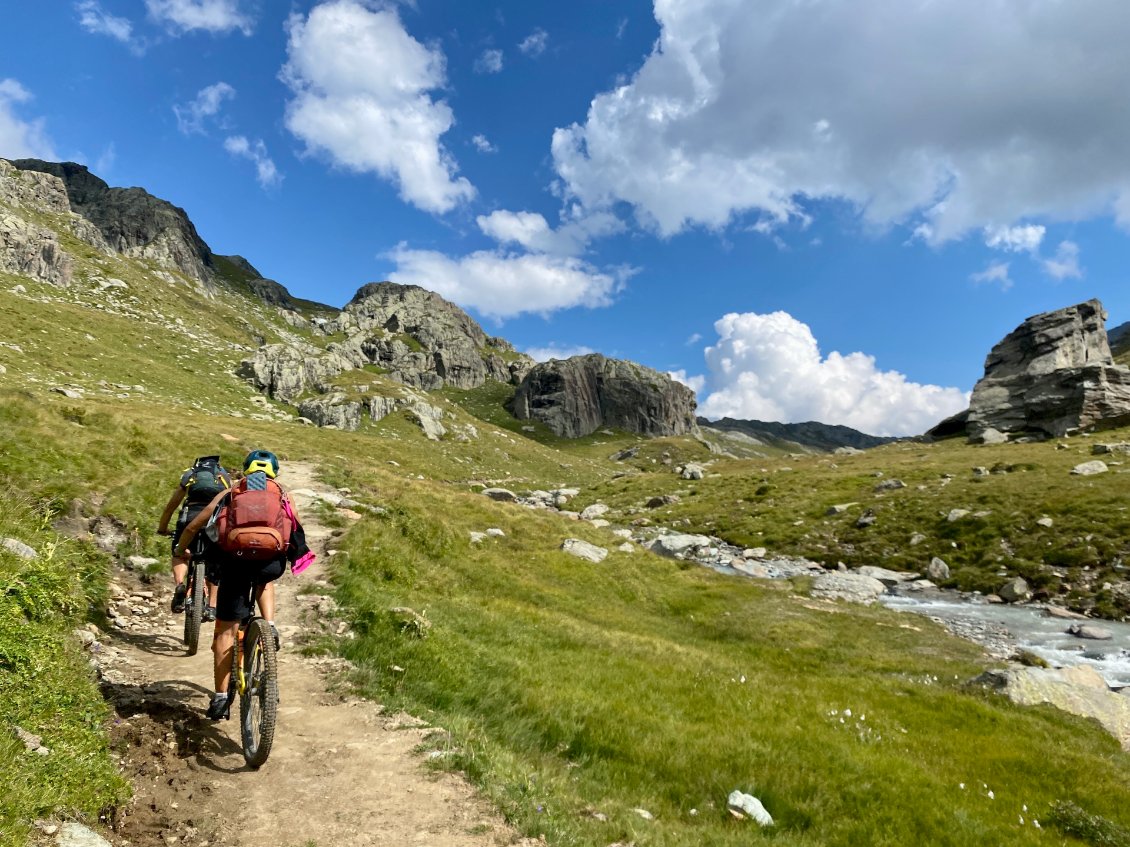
(360, 88)
(217, 16)
(489, 62)
(207, 103)
(960, 115)
(769, 367)
(19, 137)
(1065, 264)
(500, 285)
(1015, 239)
(557, 351)
(265, 170)
(532, 231)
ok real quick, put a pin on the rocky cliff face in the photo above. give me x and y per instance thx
(577, 396)
(1052, 375)
(413, 335)
(130, 221)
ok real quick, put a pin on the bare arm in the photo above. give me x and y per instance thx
(198, 522)
(170, 507)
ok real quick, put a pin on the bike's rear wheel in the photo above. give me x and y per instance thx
(194, 607)
(259, 703)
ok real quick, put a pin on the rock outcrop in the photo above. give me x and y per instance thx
(1050, 376)
(577, 396)
(131, 221)
(412, 335)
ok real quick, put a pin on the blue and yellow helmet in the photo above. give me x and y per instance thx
(261, 460)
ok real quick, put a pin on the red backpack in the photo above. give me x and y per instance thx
(255, 524)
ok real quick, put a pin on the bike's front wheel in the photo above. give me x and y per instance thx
(194, 607)
(259, 701)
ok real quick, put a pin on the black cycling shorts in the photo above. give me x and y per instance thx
(237, 578)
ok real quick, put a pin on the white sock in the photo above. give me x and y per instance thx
(221, 694)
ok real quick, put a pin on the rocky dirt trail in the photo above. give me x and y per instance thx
(341, 772)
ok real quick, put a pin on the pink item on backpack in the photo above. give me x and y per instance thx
(303, 563)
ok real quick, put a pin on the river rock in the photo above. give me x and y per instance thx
(1095, 633)
(885, 576)
(1015, 591)
(577, 396)
(1060, 612)
(1080, 690)
(584, 550)
(678, 545)
(853, 587)
(938, 570)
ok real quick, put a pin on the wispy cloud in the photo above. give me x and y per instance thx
(96, 20)
(20, 137)
(489, 62)
(215, 16)
(534, 44)
(482, 144)
(265, 170)
(996, 272)
(1065, 264)
(192, 116)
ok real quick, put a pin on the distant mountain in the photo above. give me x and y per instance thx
(811, 434)
(1119, 338)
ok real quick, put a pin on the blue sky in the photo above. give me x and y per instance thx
(817, 209)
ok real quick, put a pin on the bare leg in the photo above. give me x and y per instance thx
(265, 596)
(213, 592)
(223, 644)
(180, 570)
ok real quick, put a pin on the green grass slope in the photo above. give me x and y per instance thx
(572, 693)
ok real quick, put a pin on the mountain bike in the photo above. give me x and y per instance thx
(255, 680)
(194, 598)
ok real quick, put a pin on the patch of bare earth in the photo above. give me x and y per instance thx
(341, 772)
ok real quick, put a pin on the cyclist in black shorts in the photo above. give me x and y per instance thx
(244, 576)
(197, 487)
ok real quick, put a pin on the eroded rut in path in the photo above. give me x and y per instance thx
(340, 771)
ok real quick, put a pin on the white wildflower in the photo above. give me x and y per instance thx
(847, 713)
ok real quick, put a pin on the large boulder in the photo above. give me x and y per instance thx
(1050, 376)
(577, 396)
(1079, 690)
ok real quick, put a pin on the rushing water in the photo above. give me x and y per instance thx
(1028, 628)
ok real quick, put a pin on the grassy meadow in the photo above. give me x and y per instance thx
(573, 694)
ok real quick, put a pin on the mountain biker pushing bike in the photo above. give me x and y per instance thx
(198, 486)
(257, 532)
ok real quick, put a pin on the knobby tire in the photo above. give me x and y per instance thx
(259, 703)
(194, 608)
